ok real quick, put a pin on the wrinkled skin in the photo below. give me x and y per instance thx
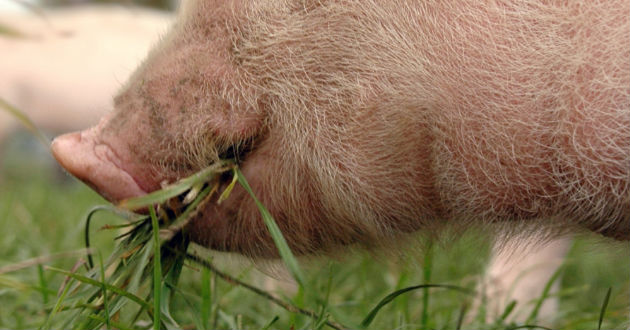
(359, 121)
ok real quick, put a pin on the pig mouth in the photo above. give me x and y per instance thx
(102, 167)
(97, 164)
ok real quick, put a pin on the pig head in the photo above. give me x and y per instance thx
(359, 121)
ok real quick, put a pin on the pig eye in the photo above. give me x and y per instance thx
(238, 152)
(230, 153)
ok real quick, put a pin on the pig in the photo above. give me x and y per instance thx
(521, 275)
(362, 122)
(61, 66)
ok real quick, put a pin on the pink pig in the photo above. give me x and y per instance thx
(358, 121)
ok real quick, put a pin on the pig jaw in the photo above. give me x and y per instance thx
(96, 164)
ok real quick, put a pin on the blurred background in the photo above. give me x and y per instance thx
(61, 61)
(21, 5)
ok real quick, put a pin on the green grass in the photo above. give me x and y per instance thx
(42, 214)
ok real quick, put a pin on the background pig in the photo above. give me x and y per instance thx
(62, 66)
(359, 121)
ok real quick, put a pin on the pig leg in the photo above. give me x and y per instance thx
(523, 279)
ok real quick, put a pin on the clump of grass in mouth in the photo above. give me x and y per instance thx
(141, 274)
(152, 251)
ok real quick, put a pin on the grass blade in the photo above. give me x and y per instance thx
(42, 283)
(390, 297)
(226, 193)
(283, 248)
(508, 310)
(116, 325)
(157, 270)
(178, 224)
(173, 269)
(268, 326)
(39, 260)
(545, 294)
(460, 318)
(603, 310)
(426, 270)
(88, 220)
(162, 195)
(104, 290)
(98, 284)
(323, 315)
(529, 326)
(23, 118)
(57, 307)
(11, 282)
(206, 298)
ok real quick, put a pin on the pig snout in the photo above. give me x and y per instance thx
(96, 164)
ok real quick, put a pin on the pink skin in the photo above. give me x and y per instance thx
(358, 134)
(95, 164)
(102, 164)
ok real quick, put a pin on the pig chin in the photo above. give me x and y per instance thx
(96, 164)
